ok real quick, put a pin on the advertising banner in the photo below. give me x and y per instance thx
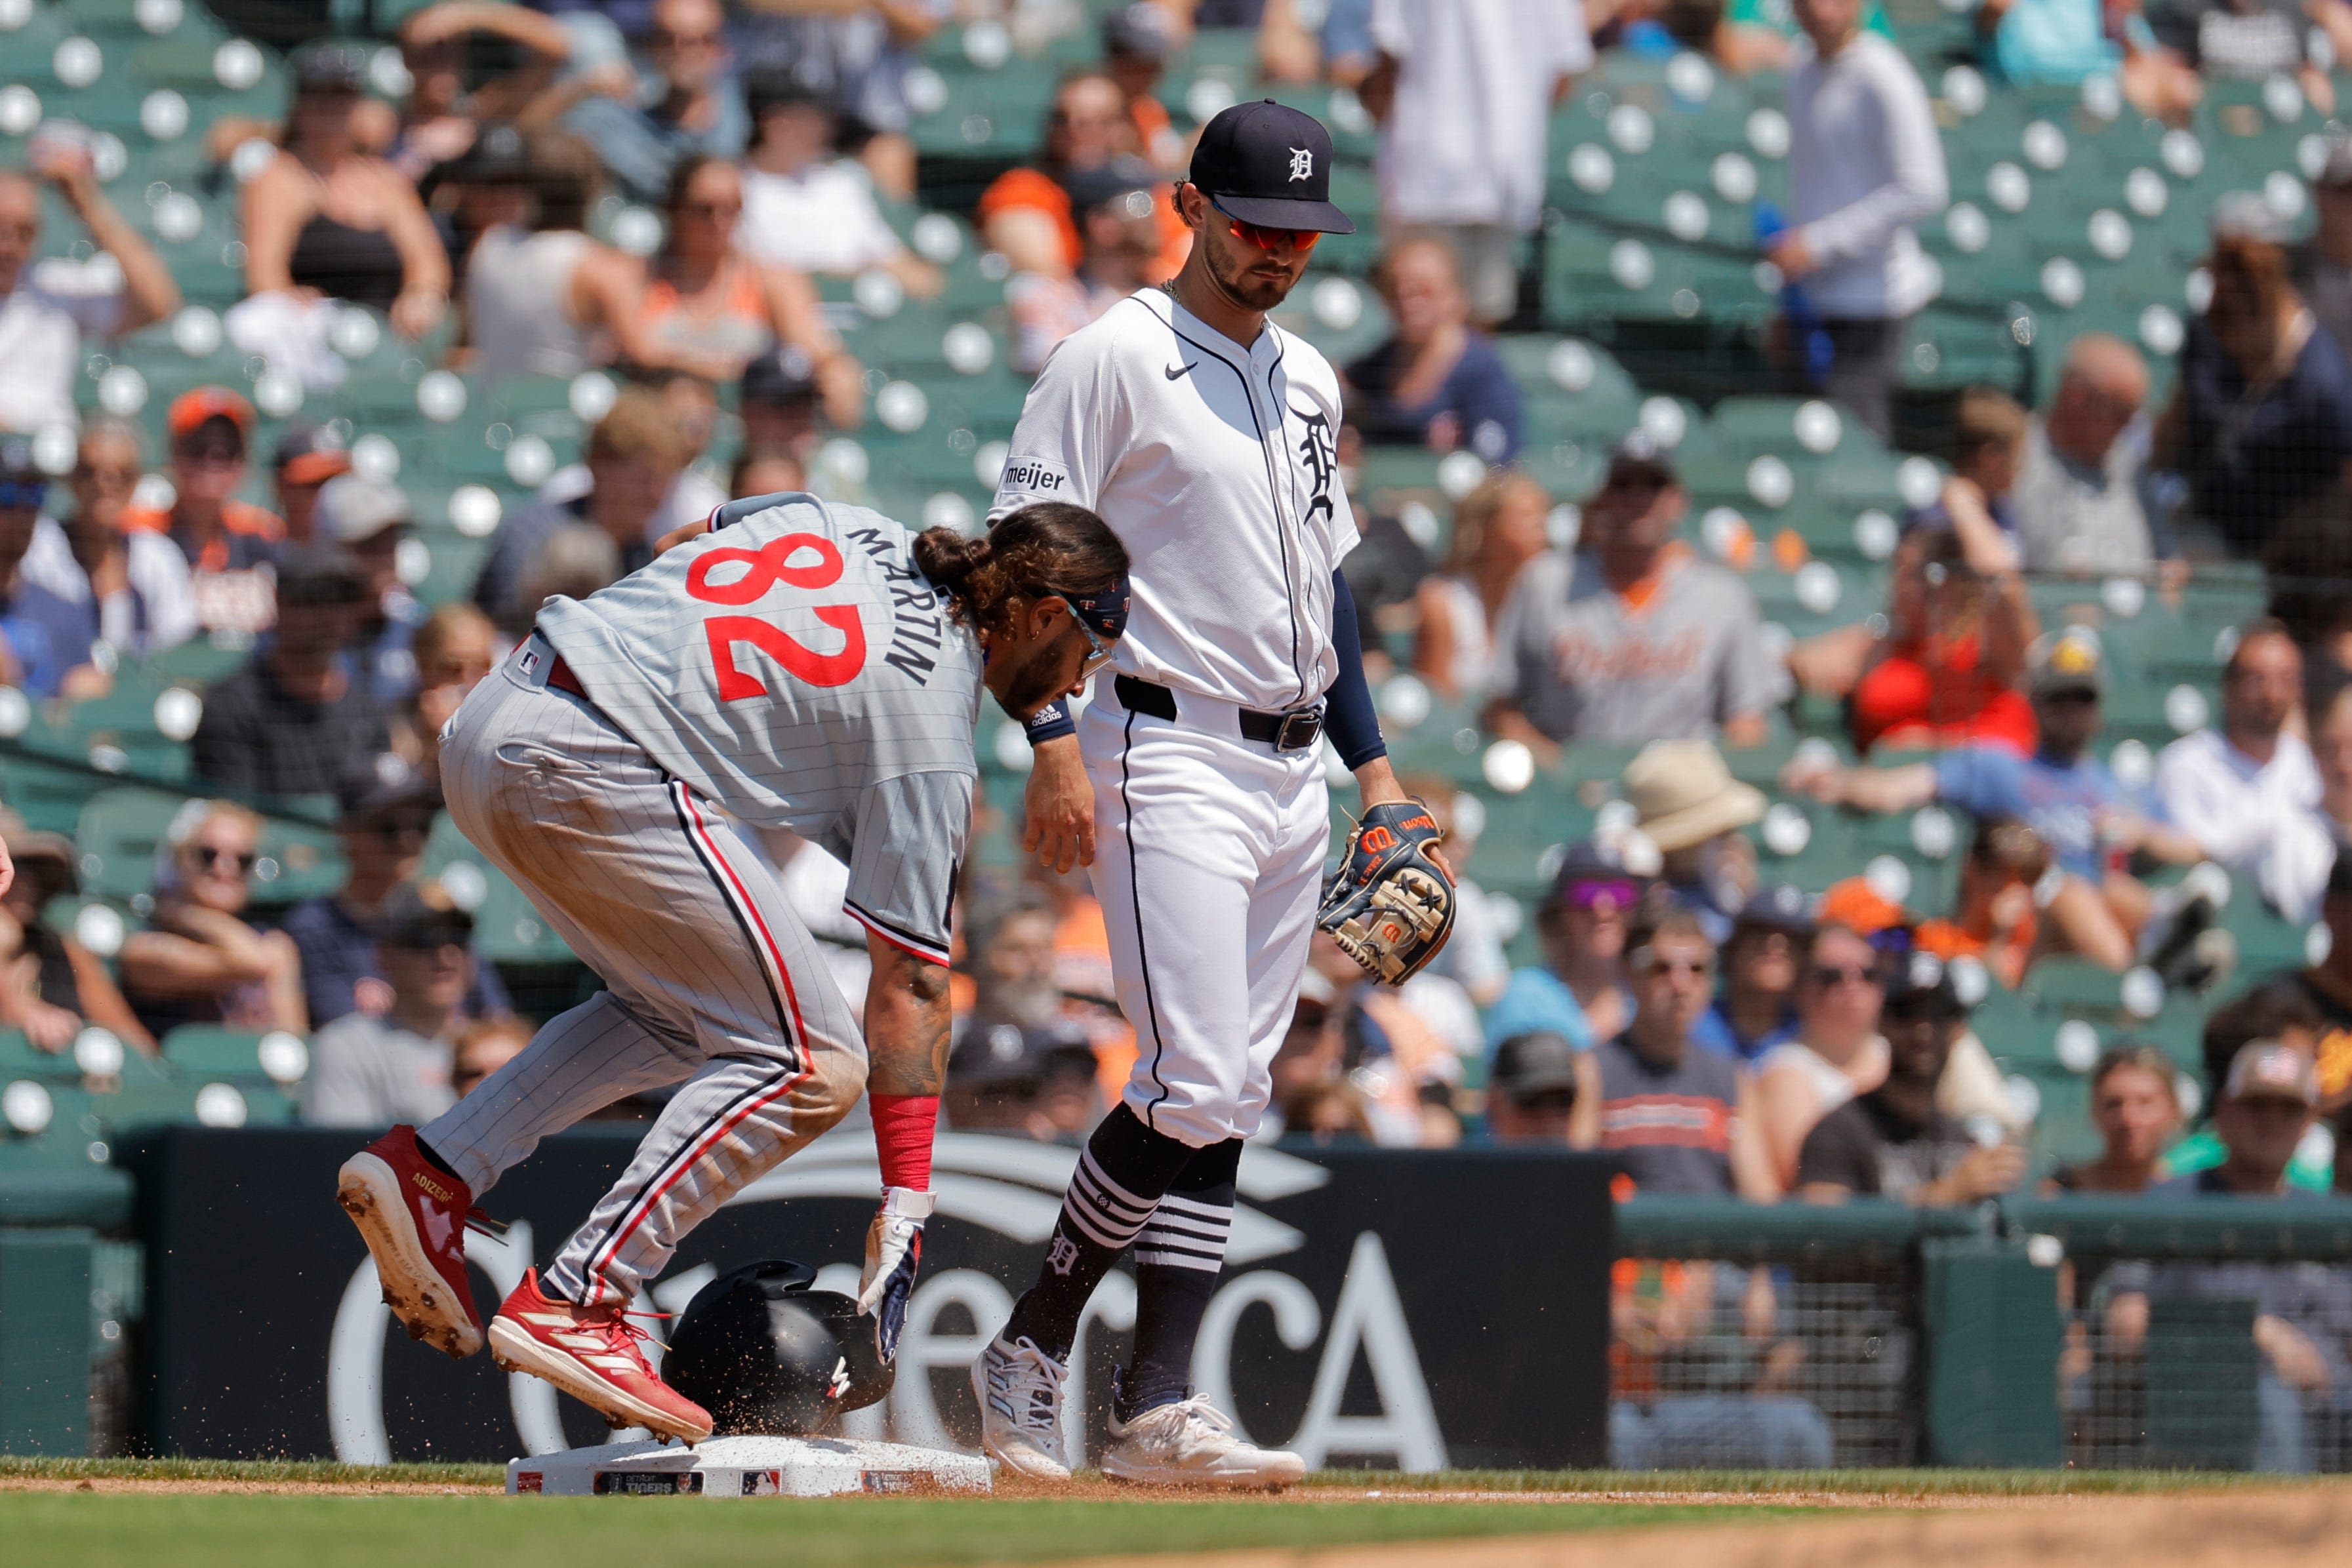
(1421, 1310)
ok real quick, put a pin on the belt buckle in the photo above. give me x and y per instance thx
(1299, 729)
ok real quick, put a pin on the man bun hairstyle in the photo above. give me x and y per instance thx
(1052, 548)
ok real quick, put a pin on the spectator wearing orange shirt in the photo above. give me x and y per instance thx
(1027, 213)
(232, 547)
(1942, 667)
(1994, 919)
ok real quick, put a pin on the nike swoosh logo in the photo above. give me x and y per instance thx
(1178, 372)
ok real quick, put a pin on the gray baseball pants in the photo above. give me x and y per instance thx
(712, 981)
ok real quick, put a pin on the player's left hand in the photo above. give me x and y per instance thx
(894, 1247)
(1060, 808)
(1391, 905)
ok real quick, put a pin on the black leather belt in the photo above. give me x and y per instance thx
(1292, 731)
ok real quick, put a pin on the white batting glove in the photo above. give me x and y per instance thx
(894, 1247)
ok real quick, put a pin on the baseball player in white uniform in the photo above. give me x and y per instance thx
(1193, 786)
(803, 665)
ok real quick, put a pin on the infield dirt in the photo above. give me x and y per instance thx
(2282, 1529)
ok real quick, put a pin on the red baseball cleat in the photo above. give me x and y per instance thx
(413, 1216)
(591, 1353)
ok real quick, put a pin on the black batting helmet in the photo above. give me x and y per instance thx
(765, 1353)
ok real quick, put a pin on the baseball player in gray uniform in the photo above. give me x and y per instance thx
(805, 666)
(1204, 436)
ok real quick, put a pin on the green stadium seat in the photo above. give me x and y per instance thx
(118, 835)
(19, 1058)
(205, 1052)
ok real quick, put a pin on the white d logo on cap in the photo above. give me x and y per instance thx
(1302, 163)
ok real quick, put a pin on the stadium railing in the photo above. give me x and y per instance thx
(2124, 1333)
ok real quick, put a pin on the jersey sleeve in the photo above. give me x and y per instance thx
(1072, 430)
(910, 839)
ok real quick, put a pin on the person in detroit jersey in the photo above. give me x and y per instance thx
(791, 663)
(1204, 436)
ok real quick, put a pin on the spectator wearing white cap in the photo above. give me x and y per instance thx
(1464, 91)
(372, 519)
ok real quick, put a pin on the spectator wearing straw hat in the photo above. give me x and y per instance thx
(1633, 638)
(1687, 802)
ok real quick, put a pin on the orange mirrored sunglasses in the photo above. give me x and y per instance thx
(1269, 239)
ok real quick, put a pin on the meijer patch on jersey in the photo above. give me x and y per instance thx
(1039, 477)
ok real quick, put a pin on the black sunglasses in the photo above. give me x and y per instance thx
(209, 858)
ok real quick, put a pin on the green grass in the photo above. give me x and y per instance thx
(257, 1530)
(211, 1529)
(34, 1467)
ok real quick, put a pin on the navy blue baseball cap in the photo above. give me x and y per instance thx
(1269, 164)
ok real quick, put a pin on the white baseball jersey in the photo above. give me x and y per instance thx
(793, 666)
(1217, 467)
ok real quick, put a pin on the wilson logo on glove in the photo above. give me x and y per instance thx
(1390, 905)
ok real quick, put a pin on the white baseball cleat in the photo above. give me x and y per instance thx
(1018, 1388)
(1193, 1444)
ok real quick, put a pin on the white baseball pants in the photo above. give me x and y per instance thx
(1209, 864)
(713, 982)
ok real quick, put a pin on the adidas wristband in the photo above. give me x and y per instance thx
(1050, 723)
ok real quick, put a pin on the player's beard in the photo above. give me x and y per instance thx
(1036, 683)
(1246, 286)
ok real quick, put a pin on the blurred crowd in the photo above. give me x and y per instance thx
(1717, 1033)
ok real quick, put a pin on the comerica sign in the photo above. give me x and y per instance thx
(1416, 1311)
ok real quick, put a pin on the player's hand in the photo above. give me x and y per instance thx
(1985, 1172)
(7, 869)
(1060, 808)
(1792, 255)
(894, 1247)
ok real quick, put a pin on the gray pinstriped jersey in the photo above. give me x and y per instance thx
(794, 667)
